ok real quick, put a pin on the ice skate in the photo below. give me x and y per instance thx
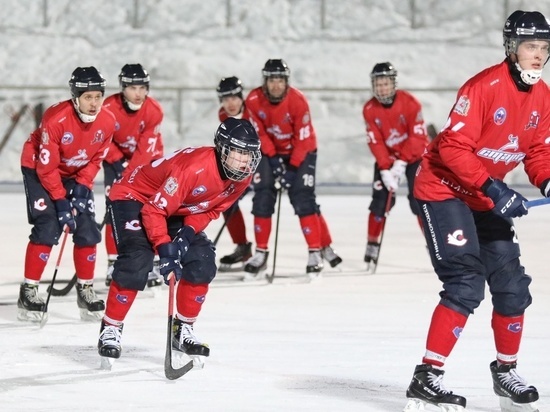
(256, 265)
(155, 278)
(110, 267)
(108, 345)
(371, 255)
(314, 263)
(185, 341)
(514, 393)
(427, 388)
(242, 253)
(330, 256)
(30, 306)
(91, 308)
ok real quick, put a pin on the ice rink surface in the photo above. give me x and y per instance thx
(346, 342)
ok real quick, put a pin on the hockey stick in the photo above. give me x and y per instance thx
(537, 202)
(279, 195)
(386, 212)
(45, 314)
(72, 282)
(169, 371)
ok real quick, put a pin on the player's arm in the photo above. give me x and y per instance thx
(149, 143)
(268, 147)
(303, 137)
(417, 140)
(49, 159)
(375, 142)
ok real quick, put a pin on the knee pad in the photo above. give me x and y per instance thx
(304, 202)
(199, 263)
(378, 203)
(510, 289)
(87, 233)
(132, 268)
(46, 231)
(263, 202)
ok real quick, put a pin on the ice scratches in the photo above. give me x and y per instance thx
(380, 396)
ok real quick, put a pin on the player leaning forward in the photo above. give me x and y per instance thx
(501, 118)
(59, 162)
(165, 206)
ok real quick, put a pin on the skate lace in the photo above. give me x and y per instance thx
(87, 293)
(258, 259)
(513, 381)
(436, 381)
(111, 334)
(187, 334)
(31, 294)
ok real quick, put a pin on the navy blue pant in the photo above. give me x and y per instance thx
(469, 249)
(135, 252)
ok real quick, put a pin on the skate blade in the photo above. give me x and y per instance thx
(88, 316)
(507, 405)
(106, 363)
(180, 359)
(31, 316)
(314, 276)
(251, 277)
(228, 268)
(415, 404)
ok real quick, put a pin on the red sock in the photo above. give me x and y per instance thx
(236, 228)
(311, 230)
(119, 302)
(190, 298)
(84, 261)
(375, 226)
(110, 244)
(326, 239)
(36, 259)
(262, 230)
(507, 331)
(445, 329)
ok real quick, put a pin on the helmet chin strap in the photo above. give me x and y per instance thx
(86, 118)
(530, 76)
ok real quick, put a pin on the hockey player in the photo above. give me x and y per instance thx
(281, 116)
(59, 162)
(500, 119)
(396, 136)
(137, 140)
(230, 94)
(165, 206)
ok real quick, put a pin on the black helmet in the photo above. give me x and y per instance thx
(276, 68)
(237, 135)
(133, 74)
(230, 86)
(86, 79)
(385, 69)
(524, 25)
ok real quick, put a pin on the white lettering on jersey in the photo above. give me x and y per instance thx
(81, 159)
(395, 138)
(501, 155)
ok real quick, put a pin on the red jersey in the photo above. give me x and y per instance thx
(491, 129)
(137, 137)
(284, 128)
(64, 146)
(184, 183)
(396, 132)
(223, 115)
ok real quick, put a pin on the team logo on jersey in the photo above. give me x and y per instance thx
(262, 115)
(419, 117)
(456, 238)
(199, 190)
(230, 190)
(117, 126)
(171, 186)
(79, 160)
(514, 327)
(132, 225)
(67, 138)
(378, 122)
(395, 138)
(130, 144)
(40, 204)
(99, 137)
(141, 126)
(462, 106)
(306, 118)
(45, 137)
(500, 116)
(533, 120)
(501, 154)
(402, 119)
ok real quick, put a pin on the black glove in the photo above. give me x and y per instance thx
(183, 238)
(170, 255)
(79, 197)
(288, 177)
(277, 165)
(118, 167)
(65, 215)
(508, 202)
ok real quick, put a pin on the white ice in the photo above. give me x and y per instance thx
(347, 342)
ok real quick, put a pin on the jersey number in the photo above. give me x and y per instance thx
(309, 180)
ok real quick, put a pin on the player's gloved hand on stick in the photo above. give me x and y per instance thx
(79, 197)
(170, 255)
(65, 215)
(288, 177)
(389, 180)
(398, 170)
(508, 202)
(277, 166)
